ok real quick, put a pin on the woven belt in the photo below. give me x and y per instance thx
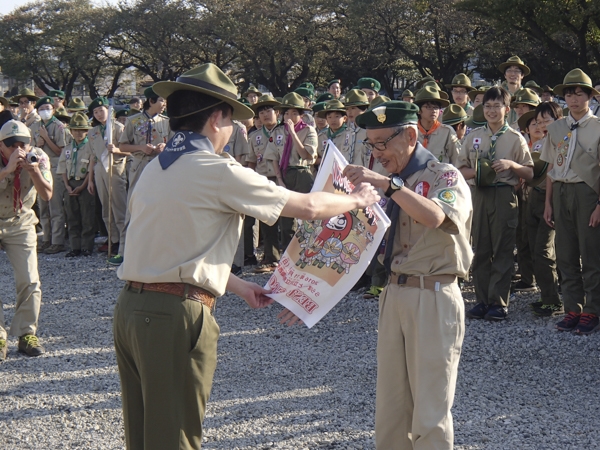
(432, 282)
(184, 290)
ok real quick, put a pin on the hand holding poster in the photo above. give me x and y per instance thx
(327, 257)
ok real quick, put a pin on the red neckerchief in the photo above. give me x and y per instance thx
(17, 202)
(426, 134)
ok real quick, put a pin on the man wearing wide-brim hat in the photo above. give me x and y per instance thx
(436, 86)
(252, 94)
(547, 94)
(523, 101)
(407, 96)
(194, 196)
(439, 139)
(356, 103)
(571, 148)
(26, 100)
(421, 325)
(460, 88)
(514, 70)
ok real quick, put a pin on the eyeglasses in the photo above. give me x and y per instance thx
(541, 122)
(493, 107)
(431, 107)
(515, 71)
(25, 102)
(459, 91)
(381, 146)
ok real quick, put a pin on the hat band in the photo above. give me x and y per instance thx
(9, 142)
(580, 83)
(197, 111)
(205, 85)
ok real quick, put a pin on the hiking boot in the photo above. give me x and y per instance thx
(568, 322)
(496, 312)
(537, 304)
(266, 268)
(54, 248)
(549, 310)
(521, 286)
(116, 260)
(478, 311)
(588, 323)
(30, 345)
(3, 349)
(42, 248)
(373, 292)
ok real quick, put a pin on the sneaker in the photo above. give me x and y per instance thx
(549, 310)
(478, 311)
(236, 270)
(568, 322)
(116, 260)
(44, 246)
(73, 254)
(538, 304)
(588, 323)
(496, 312)
(373, 292)
(521, 286)
(266, 268)
(30, 345)
(250, 261)
(54, 248)
(3, 348)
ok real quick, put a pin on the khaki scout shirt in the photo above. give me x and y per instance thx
(26, 216)
(238, 142)
(510, 145)
(96, 137)
(75, 162)
(419, 250)
(199, 202)
(31, 118)
(58, 134)
(258, 141)
(308, 136)
(136, 130)
(321, 140)
(443, 144)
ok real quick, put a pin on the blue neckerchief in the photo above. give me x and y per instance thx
(183, 142)
(418, 161)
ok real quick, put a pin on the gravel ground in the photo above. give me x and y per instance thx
(521, 384)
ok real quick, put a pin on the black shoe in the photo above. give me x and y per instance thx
(549, 310)
(496, 312)
(73, 254)
(521, 286)
(537, 304)
(478, 311)
(86, 253)
(236, 270)
(250, 261)
(588, 323)
(568, 322)
(30, 345)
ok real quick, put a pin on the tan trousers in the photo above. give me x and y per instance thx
(52, 214)
(20, 241)
(418, 349)
(118, 200)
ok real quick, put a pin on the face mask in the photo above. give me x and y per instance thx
(45, 114)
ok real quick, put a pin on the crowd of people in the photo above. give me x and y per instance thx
(466, 174)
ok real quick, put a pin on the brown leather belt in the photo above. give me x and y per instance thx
(430, 282)
(184, 290)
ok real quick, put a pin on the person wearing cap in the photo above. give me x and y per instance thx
(571, 150)
(408, 96)
(370, 86)
(541, 236)
(547, 94)
(421, 325)
(476, 96)
(121, 116)
(477, 120)
(524, 100)
(58, 96)
(76, 105)
(334, 87)
(21, 180)
(99, 180)
(13, 106)
(165, 332)
(74, 167)
(324, 97)
(454, 116)
(292, 154)
(335, 114)
(496, 157)
(514, 70)
(4, 104)
(26, 100)
(534, 87)
(460, 88)
(439, 139)
(320, 122)
(308, 95)
(51, 136)
(356, 103)
(252, 94)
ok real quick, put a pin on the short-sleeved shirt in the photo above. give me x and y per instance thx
(510, 145)
(199, 204)
(32, 118)
(419, 250)
(142, 129)
(308, 137)
(57, 133)
(258, 141)
(321, 140)
(238, 142)
(96, 137)
(24, 216)
(443, 144)
(75, 162)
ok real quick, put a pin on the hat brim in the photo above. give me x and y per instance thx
(267, 103)
(61, 117)
(470, 122)
(455, 121)
(474, 93)
(166, 88)
(348, 105)
(9, 142)
(443, 102)
(522, 121)
(524, 102)
(505, 65)
(32, 98)
(80, 128)
(80, 108)
(468, 88)
(558, 90)
(323, 113)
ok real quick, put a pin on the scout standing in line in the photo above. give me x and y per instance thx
(496, 156)
(476, 96)
(514, 70)
(547, 94)
(252, 94)
(454, 116)
(322, 128)
(308, 95)
(369, 86)
(27, 113)
(335, 114)
(572, 150)
(20, 182)
(73, 166)
(408, 96)
(356, 103)
(59, 98)
(460, 88)
(525, 100)
(334, 87)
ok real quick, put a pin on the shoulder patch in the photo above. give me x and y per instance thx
(447, 196)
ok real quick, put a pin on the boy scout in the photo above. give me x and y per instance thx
(476, 96)
(369, 86)
(439, 139)
(252, 94)
(514, 70)
(27, 113)
(356, 102)
(454, 116)
(20, 182)
(460, 88)
(99, 178)
(59, 98)
(408, 96)
(496, 156)
(421, 325)
(76, 105)
(334, 87)
(51, 136)
(165, 332)
(534, 87)
(335, 114)
(306, 91)
(547, 94)
(322, 128)
(73, 166)
(572, 150)
(525, 100)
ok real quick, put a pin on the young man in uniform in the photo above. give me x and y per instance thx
(408, 96)
(572, 149)
(164, 328)
(27, 113)
(369, 86)
(51, 136)
(335, 114)
(547, 94)
(496, 156)
(252, 94)
(460, 88)
(421, 325)
(514, 70)
(334, 87)
(59, 98)
(476, 96)
(525, 100)
(20, 182)
(356, 103)
(454, 116)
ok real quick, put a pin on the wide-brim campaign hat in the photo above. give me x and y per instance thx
(264, 100)
(454, 114)
(4, 102)
(514, 61)
(480, 90)
(292, 101)
(26, 93)
(462, 81)
(534, 87)
(79, 121)
(522, 121)
(251, 90)
(427, 79)
(332, 106)
(76, 104)
(378, 101)
(429, 94)
(525, 96)
(485, 175)
(407, 93)
(477, 119)
(435, 85)
(369, 83)
(62, 114)
(575, 78)
(546, 88)
(388, 114)
(356, 97)
(207, 79)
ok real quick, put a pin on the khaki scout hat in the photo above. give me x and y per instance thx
(292, 101)
(547, 88)
(264, 100)
(332, 106)
(14, 131)
(407, 93)
(514, 61)
(56, 93)
(388, 114)
(435, 85)
(477, 119)
(461, 81)
(525, 96)
(534, 87)
(480, 90)
(356, 97)
(210, 80)
(79, 122)
(251, 90)
(76, 104)
(26, 93)
(454, 114)
(424, 80)
(522, 121)
(47, 100)
(4, 102)
(378, 101)
(430, 94)
(62, 114)
(485, 175)
(576, 78)
(369, 83)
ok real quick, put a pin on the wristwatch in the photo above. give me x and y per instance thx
(396, 183)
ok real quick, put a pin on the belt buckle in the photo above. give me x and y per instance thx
(402, 278)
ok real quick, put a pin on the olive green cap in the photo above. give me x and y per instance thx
(461, 80)
(388, 114)
(369, 83)
(525, 96)
(379, 100)
(454, 114)
(62, 114)
(264, 100)
(575, 78)
(485, 175)
(44, 101)
(56, 93)
(324, 97)
(318, 107)
(76, 104)
(244, 101)
(480, 90)
(430, 94)
(305, 92)
(547, 88)
(336, 80)
(26, 93)
(514, 61)
(292, 101)
(251, 90)
(534, 87)
(407, 93)
(356, 97)
(149, 92)
(332, 106)
(79, 121)
(477, 119)
(207, 79)
(307, 85)
(98, 101)
(121, 113)
(522, 121)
